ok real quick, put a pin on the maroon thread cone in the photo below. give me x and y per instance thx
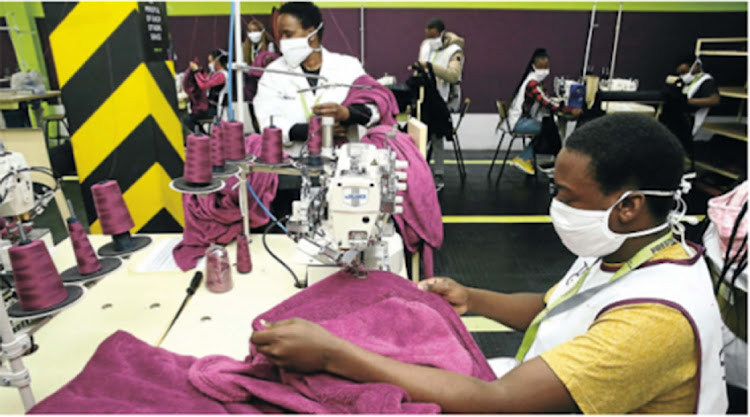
(233, 140)
(111, 209)
(244, 264)
(271, 146)
(197, 168)
(87, 261)
(217, 150)
(38, 284)
(314, 137)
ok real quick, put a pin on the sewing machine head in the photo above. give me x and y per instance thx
(345, 220)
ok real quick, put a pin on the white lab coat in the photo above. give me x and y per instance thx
(278, 94)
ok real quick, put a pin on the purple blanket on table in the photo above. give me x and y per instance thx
(216, 217)
(383, 313)
(421, 223)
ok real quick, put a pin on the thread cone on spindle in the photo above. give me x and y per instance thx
(217, 150)
(111, 209)
(244, 264)
(271, 146)
(233, 140)
(87, 261)
(37, 282)
(197, 168)
(314, 136)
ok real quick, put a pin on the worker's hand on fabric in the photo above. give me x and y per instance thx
(297, 345)
(193, 66)
(337, 111)
(451, 291)
(577, 112)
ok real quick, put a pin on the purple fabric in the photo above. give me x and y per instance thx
(120, 379)
(379, 95)
(383, 313)
(421, 223)
(198, 98)
(251, 83)
(216, 218)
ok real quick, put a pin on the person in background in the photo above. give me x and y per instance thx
(443, 52)
(213, 83)
(530, 105)
(689, 100)
(632, 327)
(292, 100)
(258, 40)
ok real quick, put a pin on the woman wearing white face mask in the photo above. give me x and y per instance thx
(213, 84)
(292, 100)
(531, 104)
(634, 329)
(257, 41)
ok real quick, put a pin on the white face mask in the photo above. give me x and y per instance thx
(687, 78)
(540, 74)
(435, 43)
(586, 233)
(296, 50)
(254, 36)
(211, 67)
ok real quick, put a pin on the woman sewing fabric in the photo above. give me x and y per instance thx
(531, 105)
(318, 81)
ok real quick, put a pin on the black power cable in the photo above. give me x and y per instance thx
(273, 224)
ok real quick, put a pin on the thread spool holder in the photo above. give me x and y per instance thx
(124, 244)
(12, 348)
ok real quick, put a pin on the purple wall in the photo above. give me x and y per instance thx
(499, 43)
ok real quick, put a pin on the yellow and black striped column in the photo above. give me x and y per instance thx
(119, 93)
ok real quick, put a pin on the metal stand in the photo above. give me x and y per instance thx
(12, 348)
(243, 200)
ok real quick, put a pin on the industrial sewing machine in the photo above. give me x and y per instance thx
(19, 200)
(345, 220)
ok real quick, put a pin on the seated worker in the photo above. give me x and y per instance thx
(685, 113)
(531, 105)
(632, 327)
(279, 96)
(213, 84)
(257, 41)
(443, 52)
(257, 46)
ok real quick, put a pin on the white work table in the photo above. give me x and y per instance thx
(144, 304)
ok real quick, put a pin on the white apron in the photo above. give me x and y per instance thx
(442, 57)
(278, 95)
(690, 90)
(686, 288)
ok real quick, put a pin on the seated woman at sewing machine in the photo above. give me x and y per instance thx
(314, 81)
(531, 105)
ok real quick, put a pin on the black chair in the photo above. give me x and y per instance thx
(456, 142)
(502, 110)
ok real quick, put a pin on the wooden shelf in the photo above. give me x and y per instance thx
(735, 130)
(707, 167)
(735, 92)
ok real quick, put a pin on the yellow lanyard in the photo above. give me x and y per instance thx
(305, 108)
(636, 261)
